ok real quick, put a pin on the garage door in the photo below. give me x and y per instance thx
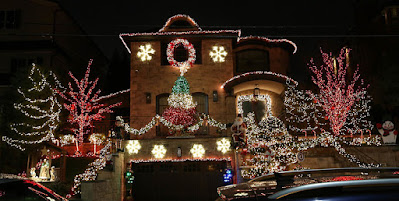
(177, 181)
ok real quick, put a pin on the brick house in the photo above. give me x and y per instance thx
(248, 65)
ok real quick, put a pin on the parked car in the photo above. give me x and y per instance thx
(331, 184)
(15, 188)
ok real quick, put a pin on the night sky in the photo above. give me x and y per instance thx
(311, 24)
(275, 19)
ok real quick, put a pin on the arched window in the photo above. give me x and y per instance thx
(202, 107)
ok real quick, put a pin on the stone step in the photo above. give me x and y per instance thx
(320, 162)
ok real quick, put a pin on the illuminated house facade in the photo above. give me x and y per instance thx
(228, 71)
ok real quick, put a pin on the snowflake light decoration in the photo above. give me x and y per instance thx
(197, 151)
(145, 52)
(218, 54)
(133, 147)
(158, 151)
(223, 145)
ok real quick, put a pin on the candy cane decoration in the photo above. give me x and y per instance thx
(314, 133)
(306, 133)
(351, 133)
(361, 134)
(369, 131)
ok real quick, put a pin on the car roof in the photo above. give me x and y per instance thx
(352, 183)
(289, 174)
(275, 182)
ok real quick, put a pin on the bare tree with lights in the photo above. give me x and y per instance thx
(337, 94)
(83, 104)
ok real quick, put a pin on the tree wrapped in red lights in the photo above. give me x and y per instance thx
(181, 112)
(337, 93)
(84, 106)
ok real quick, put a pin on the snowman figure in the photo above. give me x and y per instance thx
(388, 132)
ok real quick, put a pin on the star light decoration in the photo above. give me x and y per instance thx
(145, 52)
(218, 54)
(197, 151)
(223, 145)
(158, 151)
(133, 147)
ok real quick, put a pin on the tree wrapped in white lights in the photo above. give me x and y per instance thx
(41, 111)
(270, 146)
(83, 104)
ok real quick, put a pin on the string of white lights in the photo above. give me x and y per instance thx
(157, 118)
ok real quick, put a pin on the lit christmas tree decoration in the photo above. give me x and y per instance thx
(181, 111)
(218, 54)
(145, 52)
(270, 146)
(44, 111)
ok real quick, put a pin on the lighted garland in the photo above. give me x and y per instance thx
(251, 97)
(171, 19)
(183, 65)
(325, 139)
(288, 79)
(91, 172)
(273, 149)
(199, 31)
(157, 118)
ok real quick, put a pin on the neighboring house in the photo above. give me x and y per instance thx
(42, 32)
(250, 65)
